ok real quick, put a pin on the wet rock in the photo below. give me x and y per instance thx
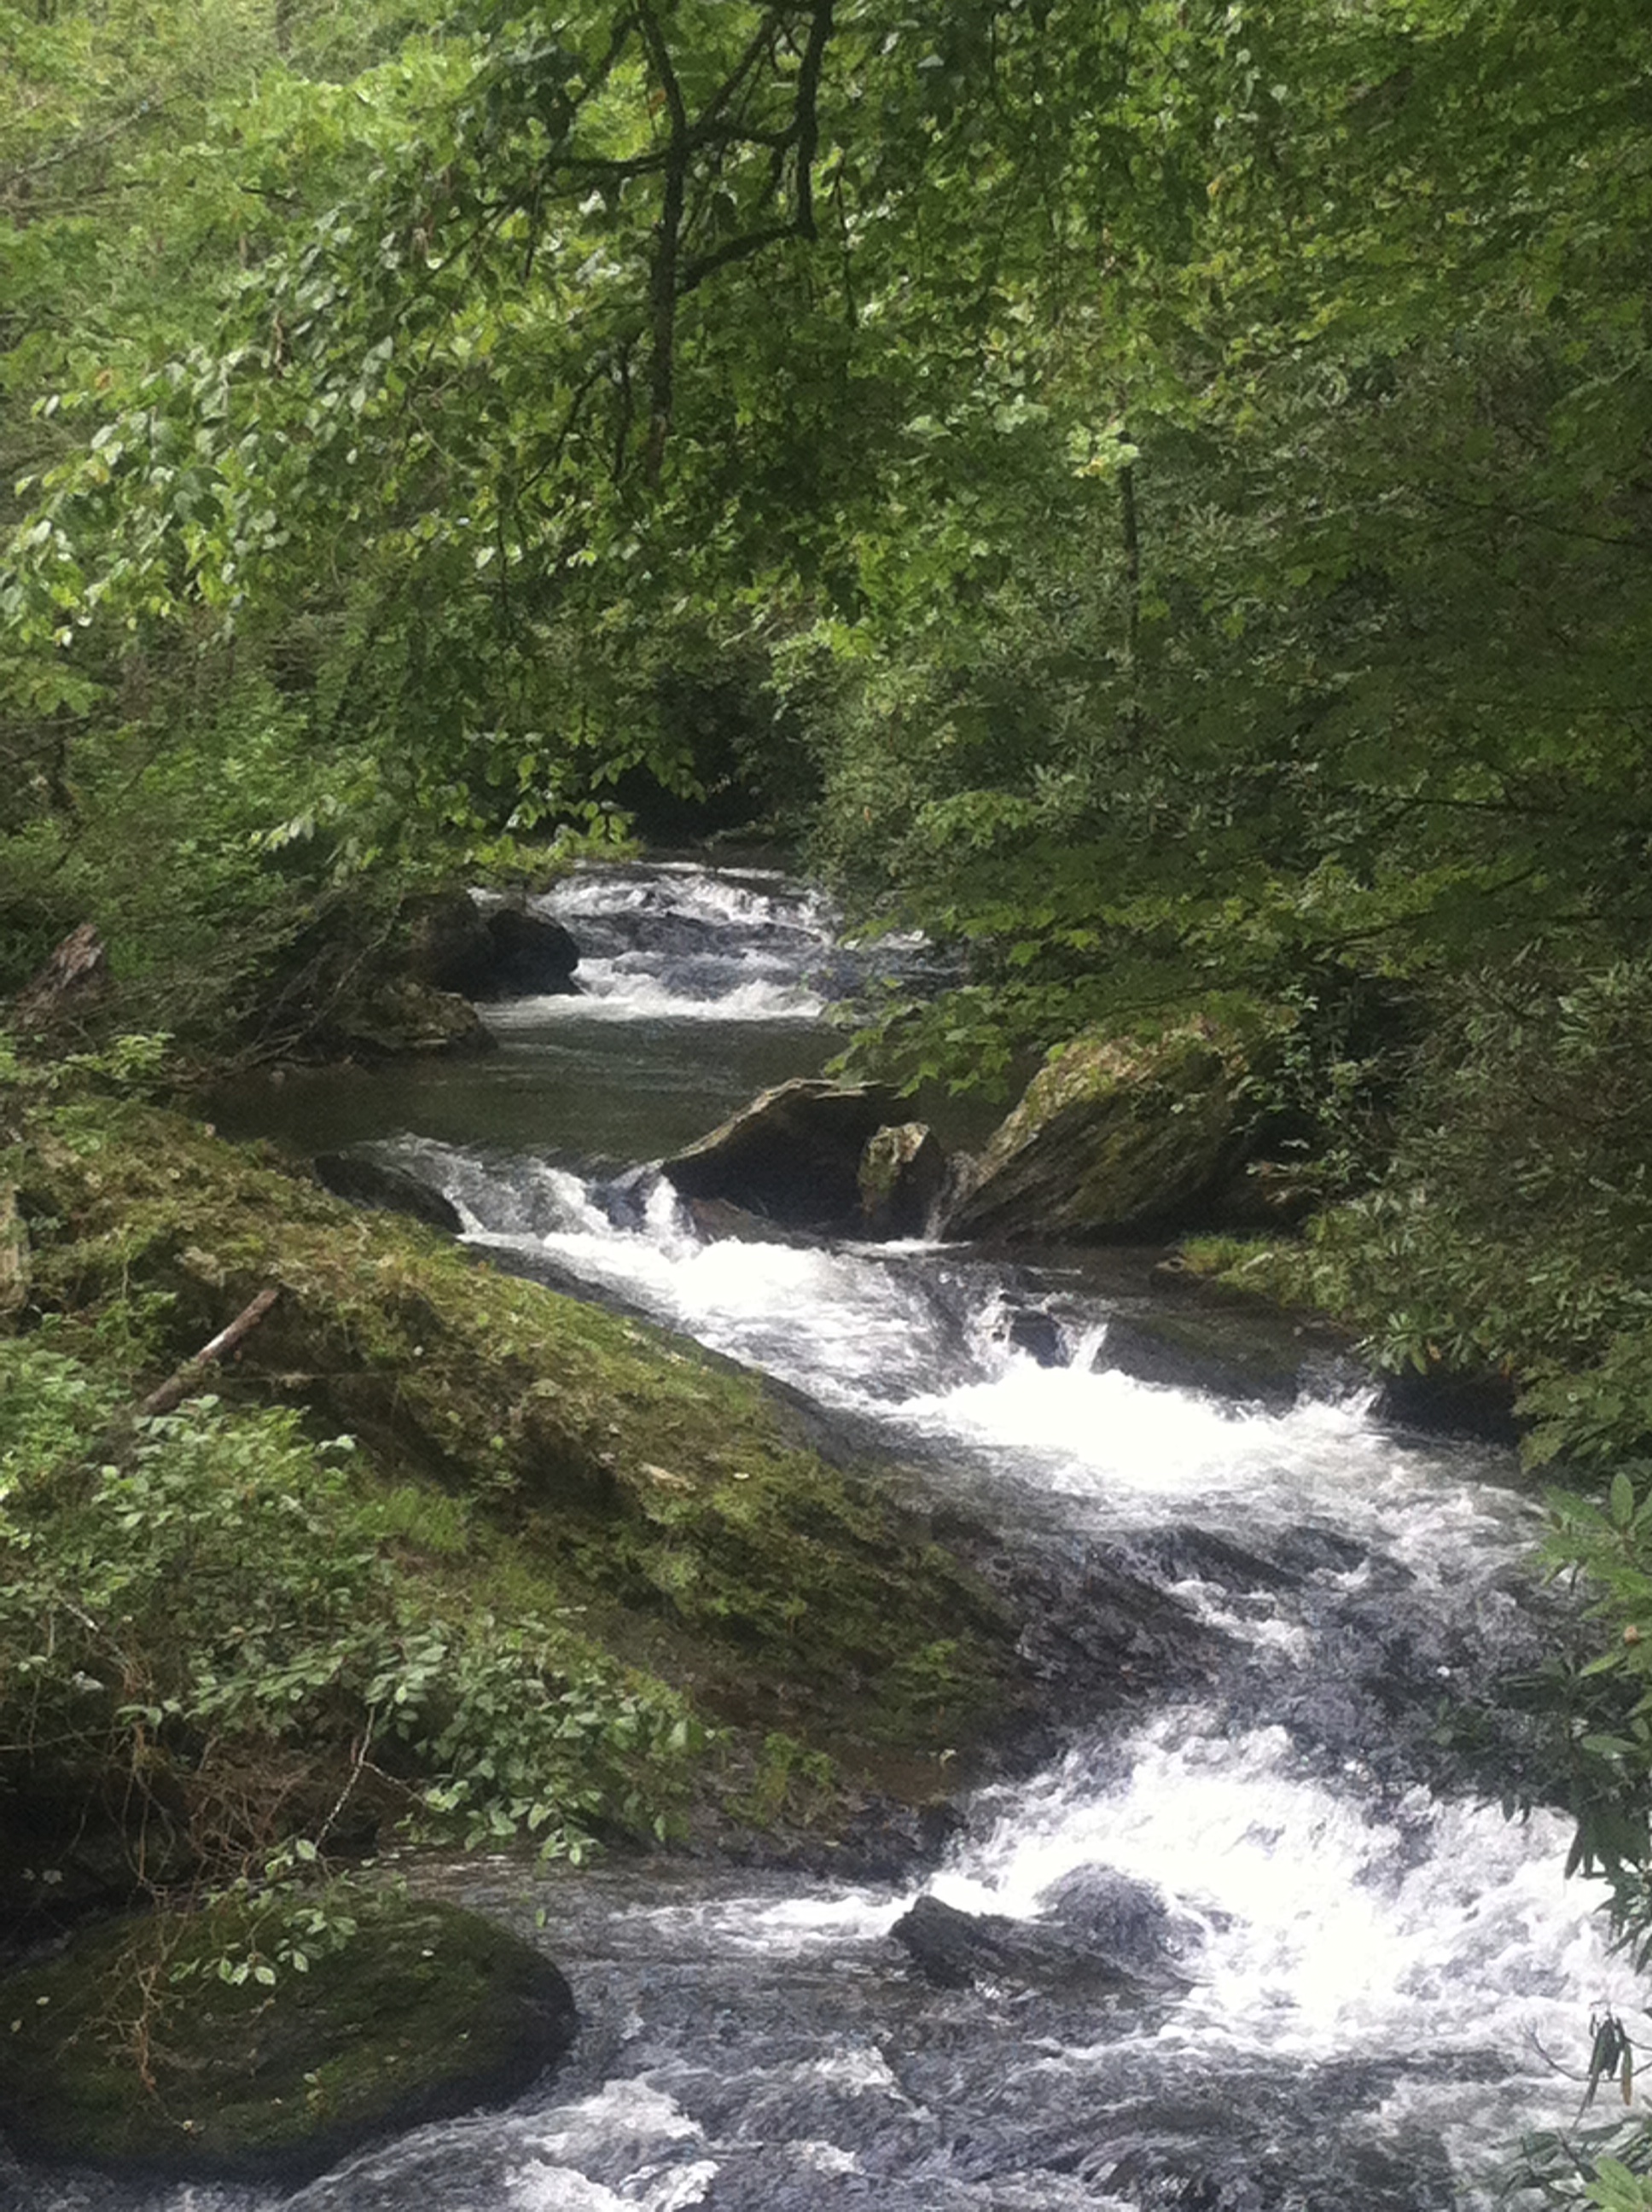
(449, 946)
(792, 1155)
(532, 956)
(1035, 1331)
(1121, 1919)
(533, 1266)
(718, 1219)
(624, 1197)
(1258, 1359)
(1095, 1629)
(1259, 2142)
(1112, 1139)
(1478, 1407)
(958, 1950)
(386, 1187)
(426, 2012)
(406, 1017)
(1182, 1553)
(457, 944)
(903, 1172)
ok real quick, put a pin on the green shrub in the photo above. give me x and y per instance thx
(199, 1601)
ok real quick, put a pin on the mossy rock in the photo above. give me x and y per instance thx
(901, 1175)
(1114, 1138)
(426, 2012)
(400, 1017)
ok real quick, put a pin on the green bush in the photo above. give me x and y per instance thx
(199, 1603)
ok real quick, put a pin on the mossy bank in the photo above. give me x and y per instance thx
(445, 1552)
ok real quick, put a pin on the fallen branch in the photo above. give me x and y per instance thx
(188, 1379)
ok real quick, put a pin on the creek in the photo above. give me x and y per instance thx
(1360, 1983)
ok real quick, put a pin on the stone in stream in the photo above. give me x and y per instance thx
(1125, 1921)
(532, 956)
(1112, 1139)
(1035, 1331)
(792, 1155)
(957, 1950)
(508, 951)
(902, 1174)
(426, 2012)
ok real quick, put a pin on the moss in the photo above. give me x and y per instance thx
(131, 2051)
(1113, 1138)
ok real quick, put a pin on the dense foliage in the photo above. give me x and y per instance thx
(209, 1622)
(1177, 469)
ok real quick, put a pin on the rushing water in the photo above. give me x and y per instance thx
(1360, 1982)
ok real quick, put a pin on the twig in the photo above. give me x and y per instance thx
(187, 1378)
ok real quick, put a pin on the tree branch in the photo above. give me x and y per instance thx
(189, 1377)
(662, 276)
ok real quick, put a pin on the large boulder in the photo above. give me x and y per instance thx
(533, 956)
(448, 944)
(1114, 1138)
(792, 1155)
(455, 943)
(426, 2012)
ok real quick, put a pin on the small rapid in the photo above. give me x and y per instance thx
(1356, 1983)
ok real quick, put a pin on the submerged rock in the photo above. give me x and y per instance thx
(792, 1155)
(426, 2012)
(1112, 1139)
